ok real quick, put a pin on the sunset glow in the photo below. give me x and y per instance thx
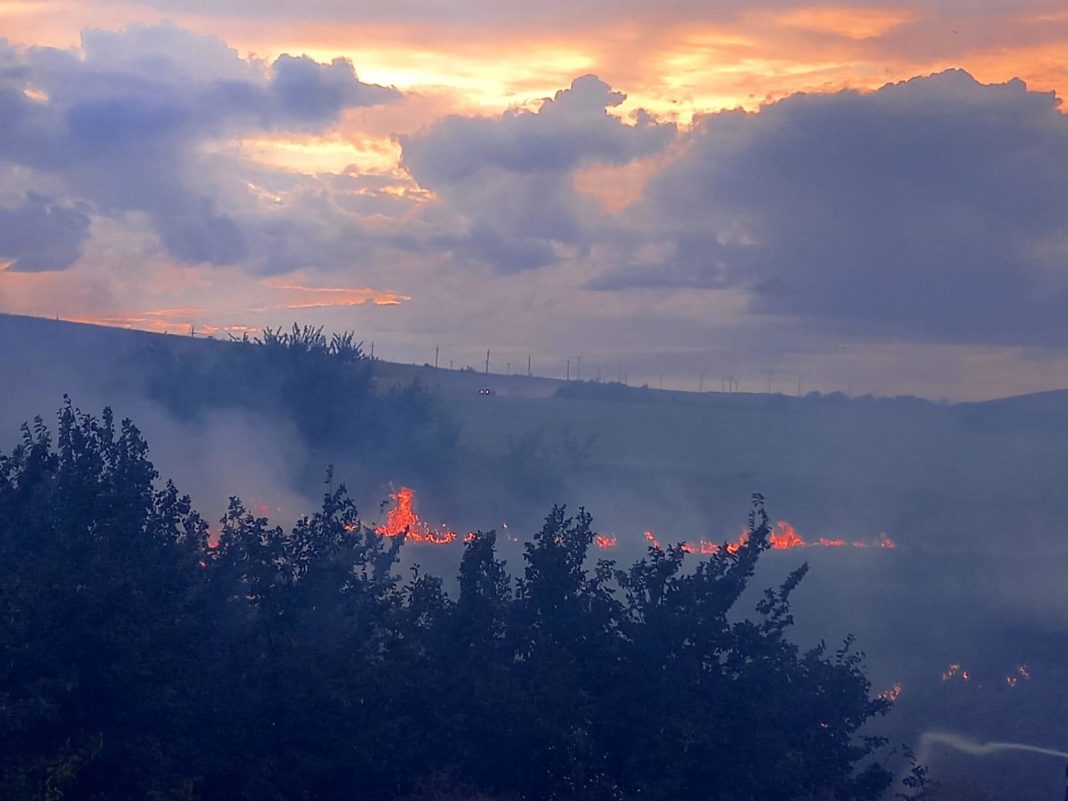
(334, 161)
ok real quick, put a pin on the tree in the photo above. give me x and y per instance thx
(137, 661)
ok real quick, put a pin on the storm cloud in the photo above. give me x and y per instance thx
(931, 209)
(123, 123)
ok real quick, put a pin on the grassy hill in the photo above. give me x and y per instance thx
(971, 493)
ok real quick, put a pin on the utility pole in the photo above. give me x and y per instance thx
(450, 363)
(799, 385)
(372, 350)
(771, 375)
(507, 368)
(529, 374)
(487, 361)
(568, 370)
(436, 356)
(598, 375)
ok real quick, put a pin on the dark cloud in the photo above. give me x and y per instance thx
(567, 131)
(40, 235)
(509, 178)
(931, 209)
(123, 123)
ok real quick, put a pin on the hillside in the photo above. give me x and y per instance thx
(969, 493)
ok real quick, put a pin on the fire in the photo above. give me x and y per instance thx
(605, 541)
(402, 520)
(738, 544)
(784, 536)
(891, 694)
(955, 671)
(1021, 674)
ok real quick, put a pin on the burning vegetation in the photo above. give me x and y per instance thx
(291, 664)
(403, 520)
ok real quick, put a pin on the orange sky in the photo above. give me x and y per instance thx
(673, 61)
(676, 58)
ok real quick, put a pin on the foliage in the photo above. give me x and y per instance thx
(323, 387)
(139, 661)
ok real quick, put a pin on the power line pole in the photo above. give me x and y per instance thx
(450, 363)
(507, 368)
(578, 368)
(487, 361)
(529, 374)
(568, 370)
(372, 350)
(436, 356)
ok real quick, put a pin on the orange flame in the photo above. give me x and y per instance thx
(402, 520)
(605, 541)
(784, 537)
(738, 544)
(1021, 674)
(892, 694)
(955, 671)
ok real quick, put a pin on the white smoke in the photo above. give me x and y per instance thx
(975, 748)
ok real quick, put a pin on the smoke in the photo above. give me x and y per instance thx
(967, 746)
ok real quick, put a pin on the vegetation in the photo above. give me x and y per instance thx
(324, 388)
(139, 662)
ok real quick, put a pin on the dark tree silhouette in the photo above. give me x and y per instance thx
(138, 661)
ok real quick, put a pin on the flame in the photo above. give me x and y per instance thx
(738, 544)
(955, 671)
(891, 694)
(784, 536)
(605, 541)
(1021, 674)
(402, 520)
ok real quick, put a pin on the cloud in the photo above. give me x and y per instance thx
(41, 235)
(509, 179)
(567, 131)
(124, 123)
(930, 209)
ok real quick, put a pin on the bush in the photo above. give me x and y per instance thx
(139, 662)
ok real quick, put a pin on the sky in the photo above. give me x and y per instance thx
(858, 196)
